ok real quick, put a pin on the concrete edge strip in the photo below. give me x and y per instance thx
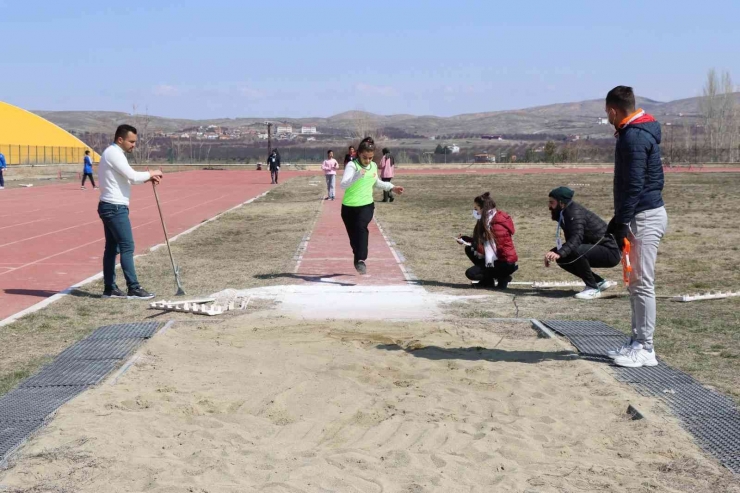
(406, 273)
(48, 301)
(113, 379)
(303, 245)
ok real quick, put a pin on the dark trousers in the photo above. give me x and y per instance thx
(387, 195)
(274, 175)
(356, 220)
(599, 256)
(86, 176)
(479, 272)
(119, 238)
(2, 180)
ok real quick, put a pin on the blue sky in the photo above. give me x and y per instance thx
(200, 59)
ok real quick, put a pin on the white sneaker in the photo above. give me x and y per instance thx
(622, 351)
(637, 357)
(589, 294)
(2, 188)
(604, 285)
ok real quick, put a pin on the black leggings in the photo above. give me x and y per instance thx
(86, 176)
(274, 174)
(599, 256)
(479, 272)
(356, 220)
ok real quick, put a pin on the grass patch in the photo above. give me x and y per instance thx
(699, 253)
(251, 246)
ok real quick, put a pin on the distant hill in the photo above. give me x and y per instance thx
(565, 118)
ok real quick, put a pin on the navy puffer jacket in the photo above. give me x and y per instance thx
(638, 171)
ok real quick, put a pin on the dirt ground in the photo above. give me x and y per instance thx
(700, 252)
(252, 246)
(279, 405)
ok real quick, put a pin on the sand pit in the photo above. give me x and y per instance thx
(279, 405)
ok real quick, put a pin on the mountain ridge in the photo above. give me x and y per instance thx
(578, 117)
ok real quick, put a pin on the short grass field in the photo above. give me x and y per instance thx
(701, 252)
(255, 246)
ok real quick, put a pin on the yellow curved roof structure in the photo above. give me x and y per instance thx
(26, 138)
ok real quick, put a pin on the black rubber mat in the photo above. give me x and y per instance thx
(139, 330)
(711, 417)
(597, 345)
(582, 328)
(97, 349)
(14, 434)
(71, 372)
(34, 404)
(85, 363)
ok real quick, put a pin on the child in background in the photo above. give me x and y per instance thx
(387, 171)
(87, 171)
(330, 166)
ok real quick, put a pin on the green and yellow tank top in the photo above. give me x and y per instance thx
(361, 191)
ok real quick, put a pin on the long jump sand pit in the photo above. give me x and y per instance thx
(281, 405)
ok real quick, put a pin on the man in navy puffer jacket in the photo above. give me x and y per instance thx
(639, 216)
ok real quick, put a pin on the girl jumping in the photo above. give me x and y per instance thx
(358, 181)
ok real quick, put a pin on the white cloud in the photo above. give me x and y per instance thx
(369, 89)
(166, 90)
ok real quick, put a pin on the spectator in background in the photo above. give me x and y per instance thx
(3, 165)
(351, 155)
(273, 162)
(87, 171)
(330, 166)
(387, 165)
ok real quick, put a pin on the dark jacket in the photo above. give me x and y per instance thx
(274, 162)
(638, 172)
(582, 227)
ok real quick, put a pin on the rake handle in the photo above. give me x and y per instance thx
(164, 228)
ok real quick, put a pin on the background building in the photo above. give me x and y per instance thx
(26, 138)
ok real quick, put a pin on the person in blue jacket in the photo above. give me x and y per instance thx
(3, 165)
(88, 171)
(639, 216)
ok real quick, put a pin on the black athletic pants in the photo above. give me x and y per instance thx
(86, 176)
(274, 174)
(356, 220)
(479, 272)
(389, 194)
(599, 256)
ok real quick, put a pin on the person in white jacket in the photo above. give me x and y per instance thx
(115, 177)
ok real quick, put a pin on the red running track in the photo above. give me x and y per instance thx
(51, 237)
(328, 256)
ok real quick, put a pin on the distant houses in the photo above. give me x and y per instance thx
(308, 130)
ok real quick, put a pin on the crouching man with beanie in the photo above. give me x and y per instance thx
(639, 216)
(585, 246)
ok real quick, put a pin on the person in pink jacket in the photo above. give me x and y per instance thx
(330, 167)
(387, 168)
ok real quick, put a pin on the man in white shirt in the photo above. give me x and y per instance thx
(115, 177)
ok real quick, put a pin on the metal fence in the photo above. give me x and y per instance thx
(26, 154)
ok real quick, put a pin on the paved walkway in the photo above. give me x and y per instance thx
(328, 255)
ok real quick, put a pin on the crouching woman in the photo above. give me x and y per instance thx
(491, 248)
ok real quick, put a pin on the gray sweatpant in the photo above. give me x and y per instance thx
(331, 181)
(647, 229)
